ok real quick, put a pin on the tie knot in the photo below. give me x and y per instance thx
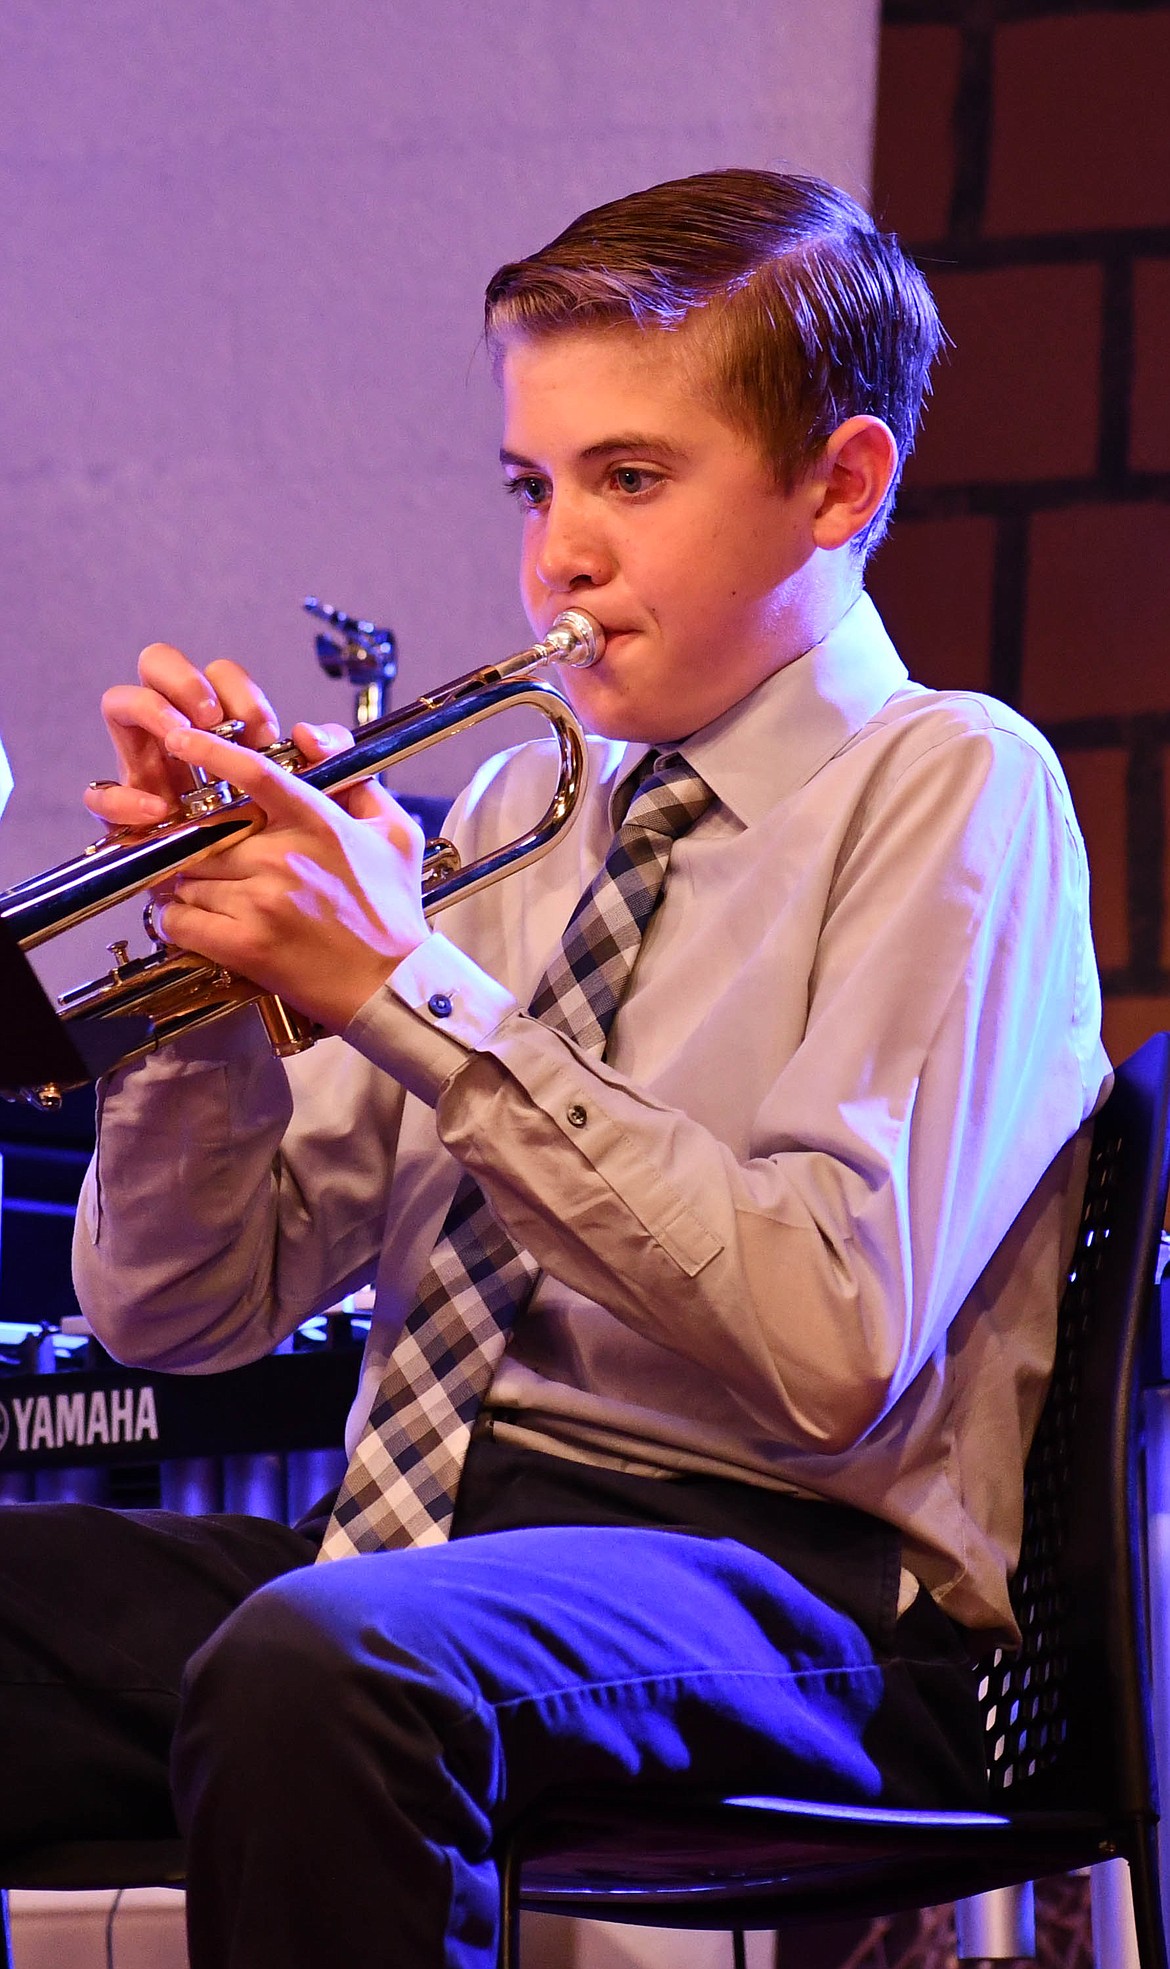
(669, 799)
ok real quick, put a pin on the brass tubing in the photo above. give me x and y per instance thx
(129, 861)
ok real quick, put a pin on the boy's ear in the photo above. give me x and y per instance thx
(855, 470)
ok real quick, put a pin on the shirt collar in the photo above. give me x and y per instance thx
(776, 738)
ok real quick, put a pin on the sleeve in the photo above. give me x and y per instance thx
(950, 1050)
(218, 1212)
(233, 1195)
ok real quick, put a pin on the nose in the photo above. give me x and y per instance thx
(569, 548)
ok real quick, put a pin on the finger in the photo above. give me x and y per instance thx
(135, 713)
(239, 860)
(242, 697)
(164, 669)
(369, 801)
(207, 933)
(207, 698)
(280, 796)
(138, 720)
(171, 695)
(405, 830)
(321, 741)
(125, 806)
(212, 895)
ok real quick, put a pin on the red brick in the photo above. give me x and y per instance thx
(932, 582)
(1097, 781)
(1095, 635)
(1129, 1022)
(1164, 953)
(1015, 397)
(913, 160)
(1150, 424)
(1081, 137)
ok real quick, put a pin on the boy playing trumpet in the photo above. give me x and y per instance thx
(714, 1173)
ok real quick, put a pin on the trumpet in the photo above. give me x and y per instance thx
(145, 1001)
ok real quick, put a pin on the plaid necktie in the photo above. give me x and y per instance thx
(402, 1479)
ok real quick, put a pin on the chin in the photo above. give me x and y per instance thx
(611, 714)
(634, 731)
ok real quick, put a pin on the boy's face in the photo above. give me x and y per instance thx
(645, 507)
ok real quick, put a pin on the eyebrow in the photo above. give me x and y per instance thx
(639, 443)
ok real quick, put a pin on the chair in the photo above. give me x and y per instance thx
(1069, 1746)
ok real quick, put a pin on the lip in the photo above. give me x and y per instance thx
(614, 636)
(613, 649)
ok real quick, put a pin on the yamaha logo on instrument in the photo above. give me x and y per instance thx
(79, 1419)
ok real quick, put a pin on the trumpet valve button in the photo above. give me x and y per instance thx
(285, 754)
(120, 952)
(232, 728)
(207, 797)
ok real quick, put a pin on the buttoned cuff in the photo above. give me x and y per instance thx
(423, 1022)
(605, 1119)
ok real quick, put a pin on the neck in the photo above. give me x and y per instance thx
(828, 590)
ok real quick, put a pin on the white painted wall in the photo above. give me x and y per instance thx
(246, 243)
(146, 1929)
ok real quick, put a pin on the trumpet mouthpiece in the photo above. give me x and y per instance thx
(575, 638)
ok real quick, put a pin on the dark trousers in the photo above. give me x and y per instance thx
(344, 1741)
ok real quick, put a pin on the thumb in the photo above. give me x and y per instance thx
(370, 801)
(365, 801)
(318, 742)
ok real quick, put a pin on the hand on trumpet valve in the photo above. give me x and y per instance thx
(320, 903)
(171, 695)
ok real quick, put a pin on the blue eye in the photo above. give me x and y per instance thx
(633, 479)
(529, 490)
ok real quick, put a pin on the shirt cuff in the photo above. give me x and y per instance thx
(436, 1008)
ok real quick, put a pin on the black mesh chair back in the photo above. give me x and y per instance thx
(1066, 1719)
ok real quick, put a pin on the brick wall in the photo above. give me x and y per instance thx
(1023, 151)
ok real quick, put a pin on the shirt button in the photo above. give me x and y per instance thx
(439, 1005)
(576, 1116)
